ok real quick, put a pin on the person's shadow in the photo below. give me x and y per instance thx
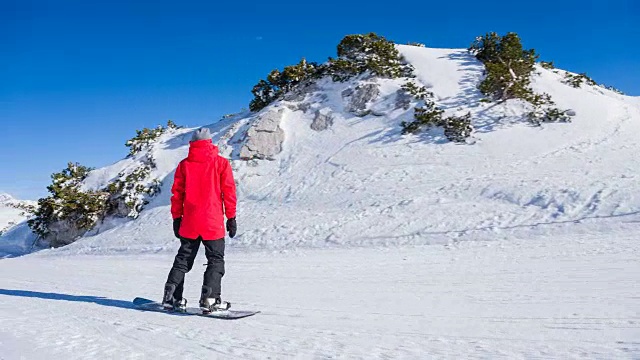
(65, 297)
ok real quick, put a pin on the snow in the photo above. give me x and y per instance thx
(358, 242)
(8, 214)
(15, 237)
(563, 298)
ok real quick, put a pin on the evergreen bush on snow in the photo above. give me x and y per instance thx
(129, 193)
(357, 54)
(508, 66)
(145, 137)
(576, 80)
(425, 116)
(71, 211)
(547, 65)
(68, 206)
(508, 70)
(428, 115)
(611, 88)
(458, 128)
(279, 83)
(371, 52)
(547, 115)
(544, 110)
(418, 92)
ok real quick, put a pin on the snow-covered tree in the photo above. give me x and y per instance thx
(371, 52)
(70, 211)
(357, 54)
(418, 92)
(67, 206)
(508, 66)
(129, 192)
(458, 128)
(279, 82)
(576, 80)
(426, 115)
(145, 137)
(547, 65)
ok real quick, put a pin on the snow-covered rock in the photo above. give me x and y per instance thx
(322, 120)
(403, 99)
(358, 98)
(264, 138)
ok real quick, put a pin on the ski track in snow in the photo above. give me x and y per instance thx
(564, 298)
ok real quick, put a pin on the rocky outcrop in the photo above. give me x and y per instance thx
(301, 91)
(298, 106)
(264, 138)
(62, 233)
(403, 99)
(359, 98)
(322, 121)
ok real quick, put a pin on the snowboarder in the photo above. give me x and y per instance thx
(203, 193)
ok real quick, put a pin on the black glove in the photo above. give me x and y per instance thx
(176, 227)
(232, 227)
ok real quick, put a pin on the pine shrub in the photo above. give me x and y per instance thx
(425, 116)
(68, 204)
(418, 92)
(357, 54)
(548, 115)
(458, 128)
(145, 137)
(508, 66)
(547, 65)
(371, 52)
(611, 88)
(576, 80)
(129, 192)
(279, 83)
(71, 210)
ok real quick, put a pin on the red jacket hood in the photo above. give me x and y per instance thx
(202, 151)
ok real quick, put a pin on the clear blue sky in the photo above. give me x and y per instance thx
(77, 78)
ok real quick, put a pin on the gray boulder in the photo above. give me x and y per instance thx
(264, 138)
(403, 99)
(63, 233)
(360, 98)
(321, 121)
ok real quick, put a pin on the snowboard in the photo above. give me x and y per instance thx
(151, 305)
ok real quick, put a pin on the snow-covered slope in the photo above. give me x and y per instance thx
(559, 298)
(12, 214)
(9, 214)
(555, 208)
(361, 182)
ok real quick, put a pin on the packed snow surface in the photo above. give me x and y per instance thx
(562, 298)
(532, 232)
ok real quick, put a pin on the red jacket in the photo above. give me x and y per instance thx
(203, 192)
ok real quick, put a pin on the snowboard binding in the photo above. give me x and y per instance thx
(209, 305)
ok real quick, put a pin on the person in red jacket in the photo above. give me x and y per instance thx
(203, 193)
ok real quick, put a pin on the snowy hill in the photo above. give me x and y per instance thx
(11, 212)
(535, 228)
(361, 182)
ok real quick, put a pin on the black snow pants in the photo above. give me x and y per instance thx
(214, 251)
